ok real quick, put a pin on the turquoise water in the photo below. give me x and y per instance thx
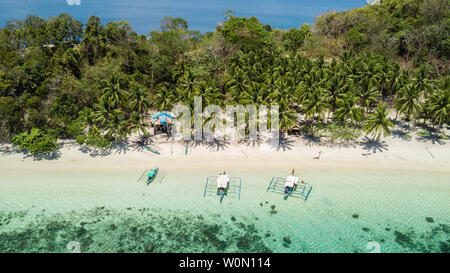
(203, 15)
(110, 212)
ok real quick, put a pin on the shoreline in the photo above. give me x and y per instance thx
(390, 154)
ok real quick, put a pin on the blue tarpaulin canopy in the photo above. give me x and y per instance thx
(162, 118)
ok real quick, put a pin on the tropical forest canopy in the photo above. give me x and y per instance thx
(95, 83)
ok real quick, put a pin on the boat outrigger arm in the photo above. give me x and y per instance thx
(278, 185)
(233, 189)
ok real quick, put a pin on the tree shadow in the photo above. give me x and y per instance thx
(141, 142)
(216, 145)
(43, 156)
(7, 150)
(284, 143)
(401, 123)
(95, 152)
(52, 155)
(196, 143)
(120, 148)
(373, 145)
(402, 130)
(250, 142)
(311, 140)
(401, 134)
(430, 134)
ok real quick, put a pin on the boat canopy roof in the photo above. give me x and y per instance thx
(162, 118)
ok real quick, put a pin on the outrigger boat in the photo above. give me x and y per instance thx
(152, 150)
(151, 175)
(148, 176)
(278, 185)
(215, 185)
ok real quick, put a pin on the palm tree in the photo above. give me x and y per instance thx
(103, 112)
(164, 99)
(280, 91)
(368, 93)
(236, 83)
(287, 116)
(310, 84)
(315, 107)
(394, 83)
(421, 80)
(336, 86)
(137, 124)
(209, 93)
(407, 101)
(378, 123)
(112, 90)
(439, 106)
(186, 85)
(139, 100)
(348, 109)
(345, 59)
(117, 127)
(255, 93)
(87, 115)
(443, 83)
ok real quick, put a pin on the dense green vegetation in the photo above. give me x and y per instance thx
(95, 83)
(413, 31)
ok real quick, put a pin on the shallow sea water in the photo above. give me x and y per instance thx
(111, 212)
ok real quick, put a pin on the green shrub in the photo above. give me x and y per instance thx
(97, 141)
(337, 132)
(294, 38)
(81, 139)
(75, 128)
(246, 33)
(18, 139)
(35, 142)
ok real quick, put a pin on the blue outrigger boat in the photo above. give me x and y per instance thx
(233, 189)
(302, 190)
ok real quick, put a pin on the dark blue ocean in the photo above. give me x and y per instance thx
(203, 15)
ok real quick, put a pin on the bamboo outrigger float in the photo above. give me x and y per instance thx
(301, 190)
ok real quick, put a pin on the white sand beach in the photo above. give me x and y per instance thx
(294, 152)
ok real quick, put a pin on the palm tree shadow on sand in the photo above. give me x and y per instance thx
(217, 145)
(195, 143)
(401, 134)
(401, 131)
(249, 142)
(373, 145)
(432, 135)
(120, 148)
(141, 142)
(284, 143)
(311, 140)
